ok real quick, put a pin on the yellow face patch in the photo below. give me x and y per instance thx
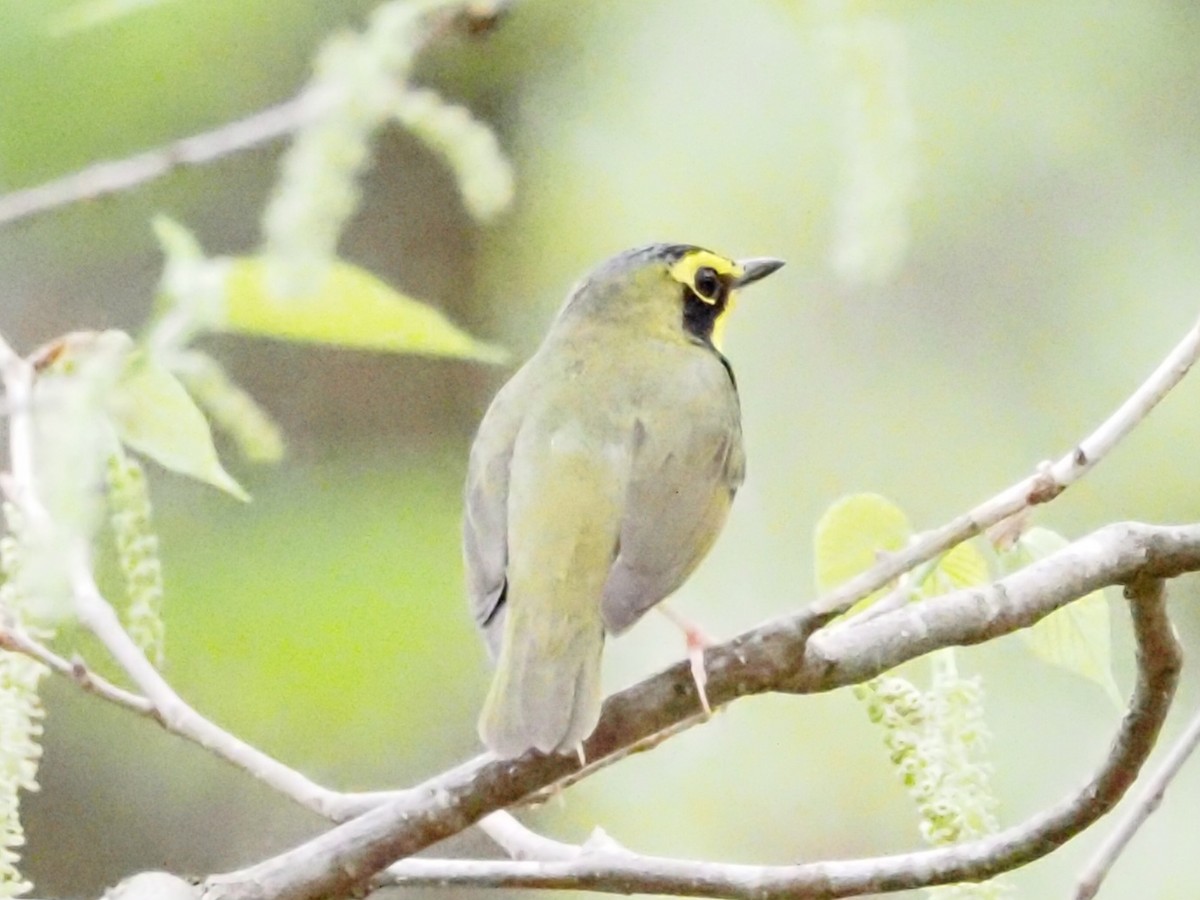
(709, 279)
(685, 270)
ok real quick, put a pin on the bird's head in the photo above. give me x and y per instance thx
(670, 289)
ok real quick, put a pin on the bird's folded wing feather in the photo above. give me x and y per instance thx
(485, 518)
(683, 480)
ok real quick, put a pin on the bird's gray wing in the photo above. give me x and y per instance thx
(687, 466)
(485, 512)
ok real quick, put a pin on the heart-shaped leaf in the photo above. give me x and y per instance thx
(851, 535)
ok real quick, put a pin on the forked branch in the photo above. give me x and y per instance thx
(619, 871)
(115, 176)
(1146, 802)
(784, 655)
(774, 658)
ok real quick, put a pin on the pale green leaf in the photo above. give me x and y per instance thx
(963, 566)
(1037, 543)
(73, 437)
(230, 408)
(852, 534)
(154, 415)
(1078, 636)
(191, 291)
(176, 241)
(352, 308)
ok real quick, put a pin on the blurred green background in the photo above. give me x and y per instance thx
(1032, 170)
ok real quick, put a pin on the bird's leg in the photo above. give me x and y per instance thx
(697, 642)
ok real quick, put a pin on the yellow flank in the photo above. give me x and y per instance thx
(685, 270)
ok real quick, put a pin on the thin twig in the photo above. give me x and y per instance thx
(16, 640)
(270, 124)
(517, 840)
(1145, 803)
(1050, 480)
(595, 765)
(522, 843)
(769, 658)
(98, 615)
(161, 702)
(114, 176)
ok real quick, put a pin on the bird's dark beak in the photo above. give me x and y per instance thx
(756, 269)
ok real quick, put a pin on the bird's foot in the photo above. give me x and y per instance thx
(697, 641)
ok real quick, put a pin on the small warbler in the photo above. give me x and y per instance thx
(600, 476)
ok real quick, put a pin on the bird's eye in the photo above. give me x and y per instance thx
(707, 283)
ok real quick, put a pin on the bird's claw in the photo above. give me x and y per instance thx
(697, 643)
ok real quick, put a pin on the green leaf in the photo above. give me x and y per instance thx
(191, 295)
(962, 566)
(353, 308)
(1078, 636)
(154, 415)
(228, 407)
(851, 535)
(1036, 543)
(176, 241)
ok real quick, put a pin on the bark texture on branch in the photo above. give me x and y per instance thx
(1159, 658)
(779, 656)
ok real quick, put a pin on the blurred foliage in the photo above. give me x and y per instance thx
(21, 712)
(851, 536)
(153, 413)
(936, 738)
(1051, 261)
(93, 13)
(131, 517)
(1076, 637)
(353, 308)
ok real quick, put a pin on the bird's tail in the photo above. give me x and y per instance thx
(546, 691)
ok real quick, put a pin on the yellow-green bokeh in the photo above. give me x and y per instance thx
(1051, 262)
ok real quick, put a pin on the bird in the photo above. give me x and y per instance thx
(599, 478)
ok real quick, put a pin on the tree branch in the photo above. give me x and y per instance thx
(115, 176)
(95, 612)
(765, 659)
(1050, 480)
(1146, 802)
(619, 871)
(98, 616)
(774, 658)
(503, 828)
(17, 640)
(270, 124)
